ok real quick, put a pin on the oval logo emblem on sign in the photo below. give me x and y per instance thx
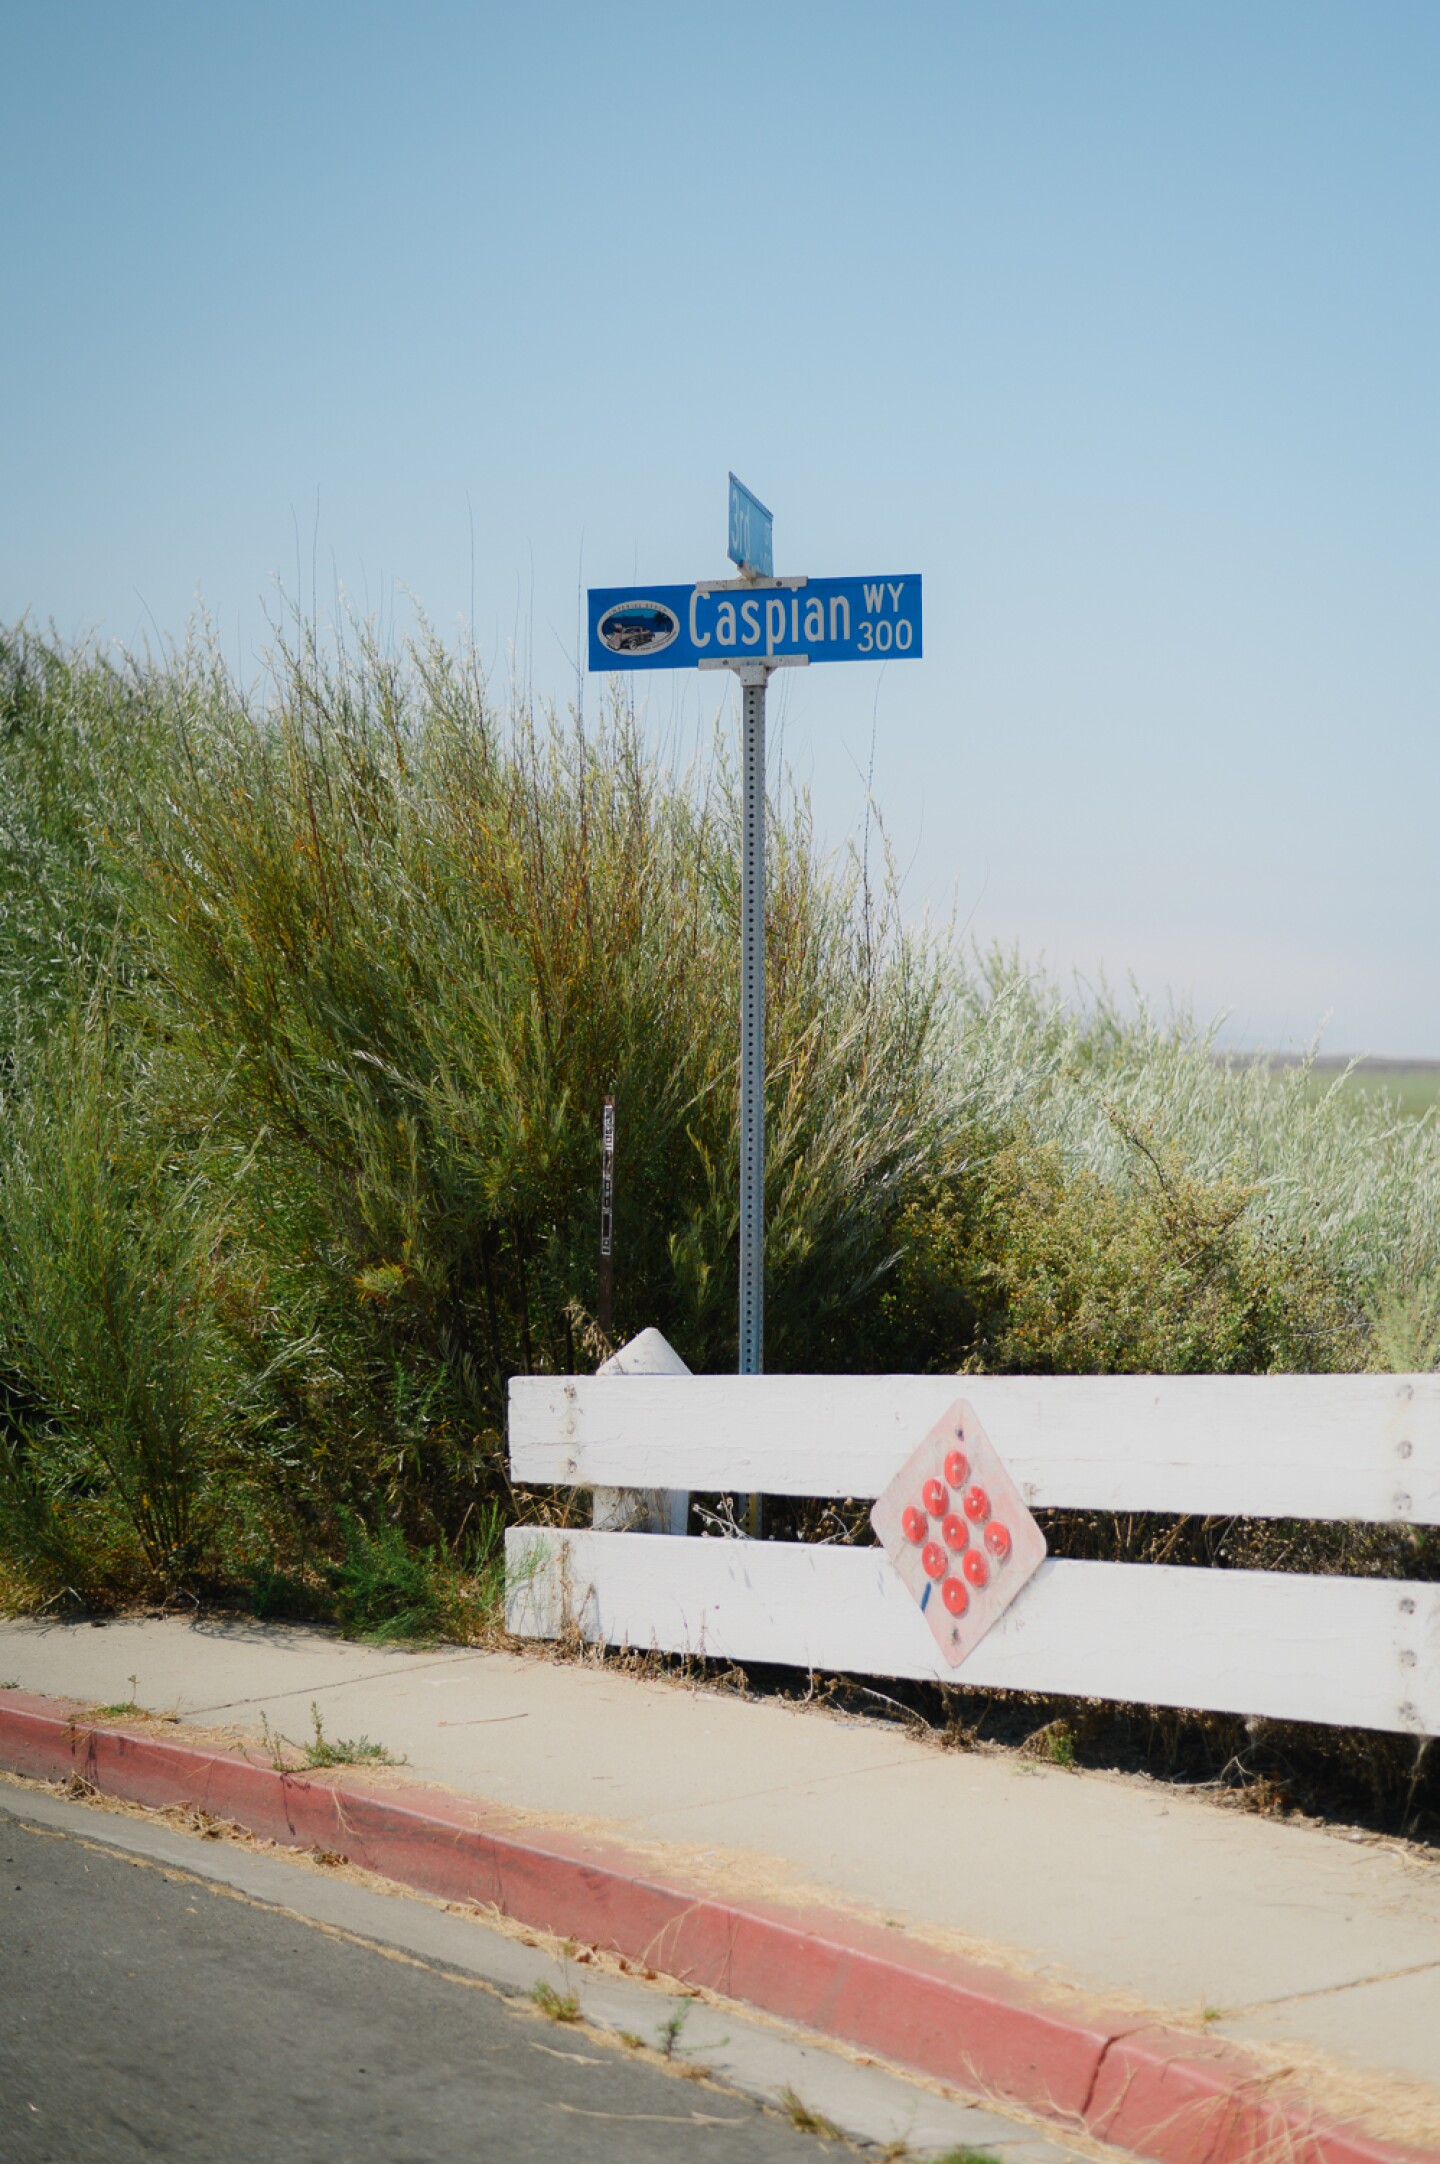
(638, 627)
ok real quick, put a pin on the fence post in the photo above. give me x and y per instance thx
(642, 1510)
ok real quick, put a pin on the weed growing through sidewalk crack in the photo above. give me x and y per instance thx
(557, 2005)
(670, 2028)
(357, 1751)
(806, 2121)
(11, 1683)
(122, 1705)
(630, 2040)
(324, 1750)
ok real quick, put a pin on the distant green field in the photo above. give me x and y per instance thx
(1415, 1087)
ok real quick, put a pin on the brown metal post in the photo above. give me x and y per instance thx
(607, 1219)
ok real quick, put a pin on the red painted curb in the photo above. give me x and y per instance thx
(1172, 2097)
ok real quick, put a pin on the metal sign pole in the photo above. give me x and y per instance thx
(752, 1040)
(752, 1029)
(752, 549)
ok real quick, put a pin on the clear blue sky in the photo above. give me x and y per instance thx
(1119, 322)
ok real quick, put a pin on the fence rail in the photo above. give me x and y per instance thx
(1354, 1651)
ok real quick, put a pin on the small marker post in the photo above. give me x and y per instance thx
(607, 1220)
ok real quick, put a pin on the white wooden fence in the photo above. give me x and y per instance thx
(1357, 1651)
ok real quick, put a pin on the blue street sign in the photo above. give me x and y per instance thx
(751, 531)
(678, 627)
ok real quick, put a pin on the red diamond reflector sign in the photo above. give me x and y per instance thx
(953, 1524)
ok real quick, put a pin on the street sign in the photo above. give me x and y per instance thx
(953, 1523)
(717, 623)
(752, 625)
(752, 530)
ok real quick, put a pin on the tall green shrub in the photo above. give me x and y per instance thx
(413, 946)
(116, 1408)
(311, 999)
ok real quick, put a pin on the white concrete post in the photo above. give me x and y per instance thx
(642, 1510)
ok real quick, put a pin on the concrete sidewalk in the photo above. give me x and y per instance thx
(1321, 1949)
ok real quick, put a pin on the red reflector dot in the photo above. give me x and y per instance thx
(955, 1597)
(997, 1540)
(936, 1501)
(976, 1505)
(914, 1522)
(975, 1567)
(932, 1559)
(957, 1468)
(955, 1532)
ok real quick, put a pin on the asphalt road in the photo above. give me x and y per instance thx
(152, 2016)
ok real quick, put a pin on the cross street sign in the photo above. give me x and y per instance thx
(752, 625)
(751, 532)
(684, 627)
